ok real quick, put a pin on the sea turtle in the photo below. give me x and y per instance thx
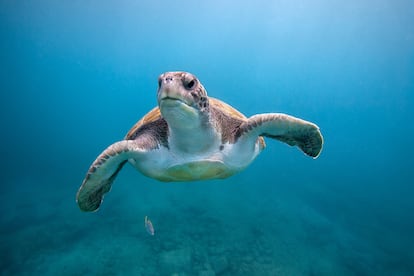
(191, 136)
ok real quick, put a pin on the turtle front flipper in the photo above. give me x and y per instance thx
(288, 129)
(101, 174)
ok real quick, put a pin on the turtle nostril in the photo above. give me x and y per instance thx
(168, 79)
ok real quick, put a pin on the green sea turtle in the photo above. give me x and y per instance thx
(191, 136)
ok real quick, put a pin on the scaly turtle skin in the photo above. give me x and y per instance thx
(191, 136)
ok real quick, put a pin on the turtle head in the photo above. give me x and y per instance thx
(182, 99)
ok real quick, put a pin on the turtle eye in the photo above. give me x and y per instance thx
(189, 85)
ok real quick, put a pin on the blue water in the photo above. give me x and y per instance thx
(76, 75)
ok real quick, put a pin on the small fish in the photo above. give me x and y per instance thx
(149, 227)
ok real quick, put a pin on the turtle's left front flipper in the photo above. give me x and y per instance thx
(288, 129)
(101, 174)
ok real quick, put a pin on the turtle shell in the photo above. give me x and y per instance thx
(155, 115)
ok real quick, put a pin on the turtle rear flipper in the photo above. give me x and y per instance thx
(101, 174)
(288, 129)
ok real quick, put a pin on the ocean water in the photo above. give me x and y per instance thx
(76, 75)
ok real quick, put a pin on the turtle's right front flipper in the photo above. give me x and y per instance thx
(101, 174)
